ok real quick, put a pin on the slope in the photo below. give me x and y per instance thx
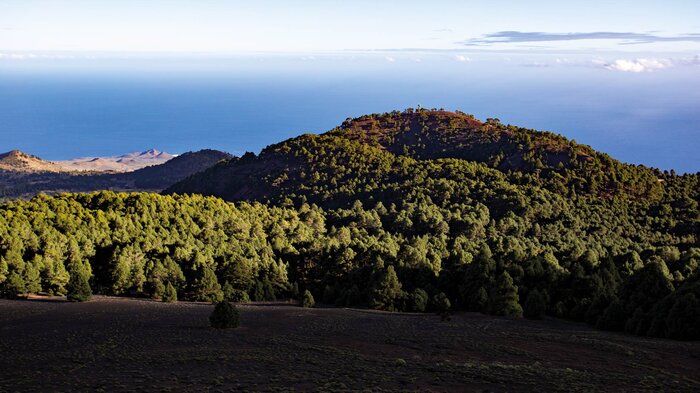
(20, 162)
(152, 178)
(547, 159)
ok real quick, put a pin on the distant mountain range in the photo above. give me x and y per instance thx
(124, 163)
(25, 175)
(18, 161)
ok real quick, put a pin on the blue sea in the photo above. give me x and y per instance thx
(59, 109)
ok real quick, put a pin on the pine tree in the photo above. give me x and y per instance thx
(207, 287)
(14, 286)
(158, 290)
(386, 291)
(419, 300)
(79, 286)
(307, 299)
(504, 297)
(535, 305)
(224, 316)
(32, 278)
(613, 317)
(3, 270)
(442, 305)
(683, 321)
(170, 294)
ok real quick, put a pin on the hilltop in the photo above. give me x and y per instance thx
(18, 161)
(420, 137)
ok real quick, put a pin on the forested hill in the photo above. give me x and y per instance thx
(363, 218)
(385, 145)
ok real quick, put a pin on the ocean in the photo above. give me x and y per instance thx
(101, 107)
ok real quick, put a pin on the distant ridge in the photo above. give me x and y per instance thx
(26, 183)
(123, 163)
(18, 161)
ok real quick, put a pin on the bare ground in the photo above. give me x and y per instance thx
(116, 344)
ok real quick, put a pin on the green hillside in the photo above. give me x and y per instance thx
(386, 213)
(544, 158)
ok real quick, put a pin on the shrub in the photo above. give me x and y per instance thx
(169, 294)
(78, 287)
(442, 305)
(307, 299)
(419, 300)
(224, 316)
(534, 305)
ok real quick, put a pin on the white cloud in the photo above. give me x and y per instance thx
(637, 65)
(389, 59)
(42, 56)
(462, 59)
(538, 64)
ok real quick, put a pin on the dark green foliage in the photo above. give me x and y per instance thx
(415, 200)
(224, 316)
(328, 295)
(386, 292)
(683, 321)
(158, 290)
(503, 299)
(258, 293)
(234, 295)
(441, 303)
(207, 287)
(169, 293)
(269, 291)
(613, 318)
(15, 285)
(307, 299)
(535, 305)
(79, 286)
(294, 291)
(419, 300)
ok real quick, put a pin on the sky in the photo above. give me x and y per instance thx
(333, 25)
(106, 77)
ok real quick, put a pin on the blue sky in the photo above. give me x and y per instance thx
(332, 25)
(105, 77)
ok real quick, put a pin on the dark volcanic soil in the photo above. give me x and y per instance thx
(113, 344)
